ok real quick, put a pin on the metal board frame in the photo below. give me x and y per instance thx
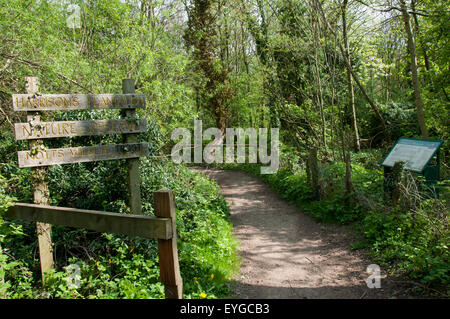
(415, 139)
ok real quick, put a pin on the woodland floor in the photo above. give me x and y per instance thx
(287, 254)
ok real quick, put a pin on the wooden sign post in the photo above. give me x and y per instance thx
(134, 176)
(40, 190)
(163, 226)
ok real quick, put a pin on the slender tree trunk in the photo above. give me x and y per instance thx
(414, 73)
(314, 171)
(2, 279)
(422, 44)
(348, 175)
(351, 97)
(318, 81)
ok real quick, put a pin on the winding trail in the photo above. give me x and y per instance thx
(285, 253)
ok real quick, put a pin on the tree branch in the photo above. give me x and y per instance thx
(42, 67)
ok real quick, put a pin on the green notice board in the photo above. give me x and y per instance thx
(416, 153)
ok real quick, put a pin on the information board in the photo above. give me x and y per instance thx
(416, 153)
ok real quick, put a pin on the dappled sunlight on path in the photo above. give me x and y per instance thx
(285, 253)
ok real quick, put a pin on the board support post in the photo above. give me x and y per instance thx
(168, 253)
(40, 191)
(134, 179)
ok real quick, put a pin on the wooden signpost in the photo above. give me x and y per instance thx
(162, 227)
(134, 176)
(167, 249)
(40, 191)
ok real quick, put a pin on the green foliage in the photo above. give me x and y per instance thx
(120, 273)
(416, 242)
(256, 64)
(400, 119)
(9, 266)
(114, 266)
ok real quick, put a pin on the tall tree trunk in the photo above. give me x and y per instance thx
(414, 74)
(351, 97)
(422, 44)
(314, 173)
(217, 91)
(318, 93)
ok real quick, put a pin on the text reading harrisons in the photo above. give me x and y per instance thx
(49, 102)
(213, 152)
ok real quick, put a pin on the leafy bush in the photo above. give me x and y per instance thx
(115, 266)
(12, 271)
(416, 242)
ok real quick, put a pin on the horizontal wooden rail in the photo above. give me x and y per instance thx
(132, 225)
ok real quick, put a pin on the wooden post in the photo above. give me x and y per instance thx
(134, 178)
(392, 181)
(396, 178)
(315, 185)
(348, 173)
(2, 280)
(387, 188)
(40, 189)
(168, 253)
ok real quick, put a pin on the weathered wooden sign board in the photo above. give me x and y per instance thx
(55, 102)
(162, 227)
(81, 154)
(27, 131)
(416, 153)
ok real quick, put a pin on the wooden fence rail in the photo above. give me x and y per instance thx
(131, 225)
(162, 227)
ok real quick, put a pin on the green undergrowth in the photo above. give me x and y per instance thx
(117, 266)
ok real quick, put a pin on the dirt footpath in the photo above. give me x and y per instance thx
(286, 254)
